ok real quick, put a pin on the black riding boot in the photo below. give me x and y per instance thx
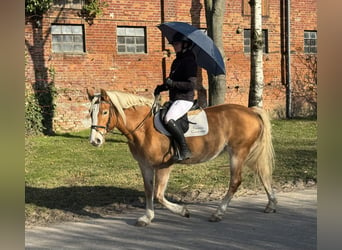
(178, 134)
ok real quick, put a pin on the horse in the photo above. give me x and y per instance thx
(243, 132)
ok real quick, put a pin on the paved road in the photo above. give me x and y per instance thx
(245, 226)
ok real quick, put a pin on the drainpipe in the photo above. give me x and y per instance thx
(162, 20)
(288, 59)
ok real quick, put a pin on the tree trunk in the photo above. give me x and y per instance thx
(257, 75)
(214, 12)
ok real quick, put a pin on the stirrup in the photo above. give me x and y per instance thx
(178, 156)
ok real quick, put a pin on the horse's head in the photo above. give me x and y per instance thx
(100, 111)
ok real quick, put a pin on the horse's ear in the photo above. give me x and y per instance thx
(90, 93)
(104, 96)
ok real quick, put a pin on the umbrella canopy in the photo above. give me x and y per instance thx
(207, 54)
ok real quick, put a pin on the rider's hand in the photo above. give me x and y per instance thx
(169, 83)
(160, 88)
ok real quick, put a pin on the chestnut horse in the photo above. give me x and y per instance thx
(245, 133)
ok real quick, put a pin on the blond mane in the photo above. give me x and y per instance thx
(126, 100)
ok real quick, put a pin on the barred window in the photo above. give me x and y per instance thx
(68, 4)
(131, 40)
(67, 38)
(247, 41)
(310, 42)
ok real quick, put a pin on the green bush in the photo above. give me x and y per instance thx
(33, 116)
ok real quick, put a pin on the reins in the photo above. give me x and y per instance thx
(140, 124)
(154, 107)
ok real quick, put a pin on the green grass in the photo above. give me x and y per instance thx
(295, 143)
(66, 177)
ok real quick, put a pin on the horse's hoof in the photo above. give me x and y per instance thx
(141, 223)
(269, 210)
(215, 218)
(185, 212)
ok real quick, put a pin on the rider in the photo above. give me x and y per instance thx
(180, 84)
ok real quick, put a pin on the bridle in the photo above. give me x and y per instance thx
(96, 127)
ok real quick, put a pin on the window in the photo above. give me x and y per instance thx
(247, 41)
(265, 8)
(131, 40)
(68, 4)
(67, 38)
(310, 42)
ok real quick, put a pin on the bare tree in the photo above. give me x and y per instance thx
(257, 75)
(305, 85)
(214, 12)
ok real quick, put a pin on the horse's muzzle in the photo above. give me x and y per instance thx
(96, 138)
(97, 142)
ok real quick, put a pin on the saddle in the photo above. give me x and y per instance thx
(194, 123)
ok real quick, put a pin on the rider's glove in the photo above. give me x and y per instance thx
(169, 83)
(160, 88)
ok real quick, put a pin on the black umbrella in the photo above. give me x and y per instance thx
(207, 54)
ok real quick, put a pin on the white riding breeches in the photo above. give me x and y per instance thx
(177, 110)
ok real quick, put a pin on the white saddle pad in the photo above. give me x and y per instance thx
(198, 125)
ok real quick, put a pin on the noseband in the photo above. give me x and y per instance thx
(97, 126)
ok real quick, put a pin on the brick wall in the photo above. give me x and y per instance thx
(304, 93)
(102, 67)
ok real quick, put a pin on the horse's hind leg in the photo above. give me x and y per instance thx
(147, 173)
(266, 180)
(161, 179)
(236, 164)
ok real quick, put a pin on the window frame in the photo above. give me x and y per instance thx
(130, 40)
(68, 4)
(310, 46)
(265, 48)
(64, 36)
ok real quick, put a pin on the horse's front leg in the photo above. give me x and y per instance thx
(147, 173)
(161, 179)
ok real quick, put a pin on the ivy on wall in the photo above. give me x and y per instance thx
(36, 8)
(40, 102)
(92, 9)
(33, 115)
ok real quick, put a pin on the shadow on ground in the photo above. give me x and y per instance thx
(84, 200)
(115, 137)
(244, 226)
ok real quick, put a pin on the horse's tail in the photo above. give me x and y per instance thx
(261, 157)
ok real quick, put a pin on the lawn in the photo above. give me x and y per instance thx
(66, 178)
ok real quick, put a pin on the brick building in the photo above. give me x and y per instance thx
(123, 50)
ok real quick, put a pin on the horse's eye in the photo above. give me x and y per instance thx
(105, 112)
